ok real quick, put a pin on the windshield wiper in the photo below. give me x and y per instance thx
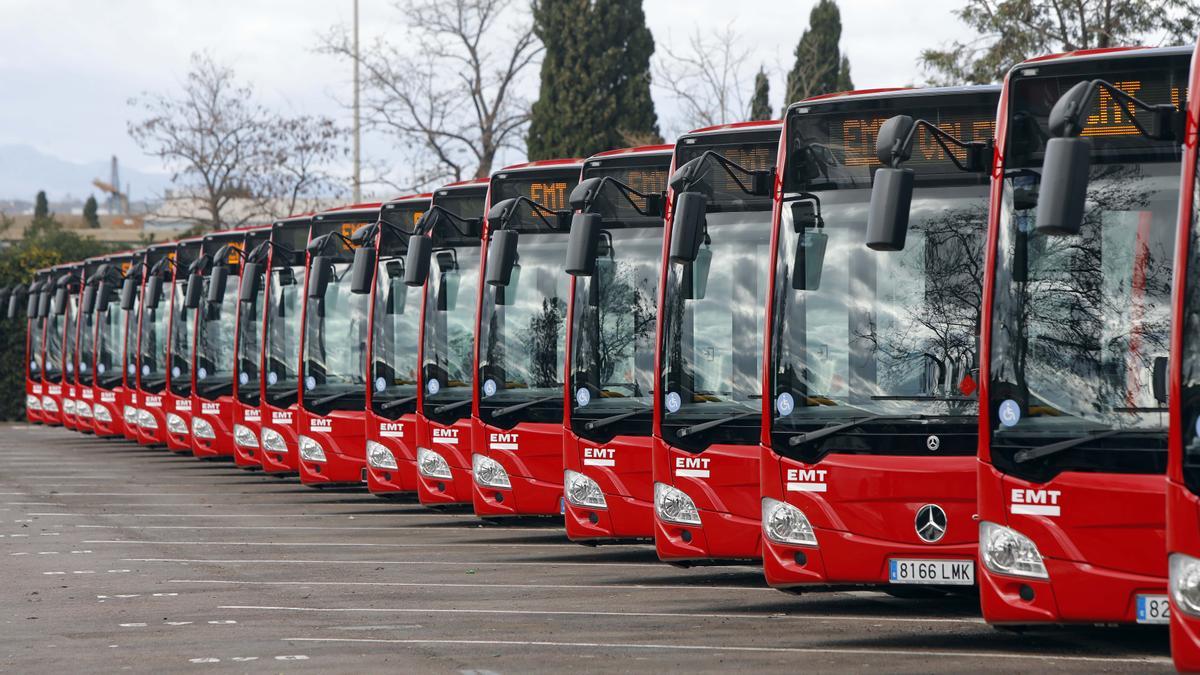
(110, 381)
(333, 397)
(605, 421)
(823, 432)
(521, 406)
(397, 403)
(705, 426)
(215, 388)
(153, 381)
(451, 406)
(281, 396)
(1031, 454)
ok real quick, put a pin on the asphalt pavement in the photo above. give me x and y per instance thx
(114, 556)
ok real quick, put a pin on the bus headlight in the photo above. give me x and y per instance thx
(202, 429)
(273, 440)
(68, 406)
(176, 425)
(32, 402)
(583, 491)
(674, 506)
(1185, 583)
(102, 414)
(49, 405)
(244, 437)
(786, 524)
(311, 450)
(130, 415)
(146, 420)
(1006, 551)
(83, 409)
(432, 465)
(380, 457)
(489, 473)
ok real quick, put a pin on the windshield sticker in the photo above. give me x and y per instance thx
(243, 378)
(132, 368)
(174, 371)
(785, 404)
(434, 386)
(489, 387)
(310, 382)
(100, 367)
(272, 377)
(583, 397)
(1198, 426)
(146, 370)
(201, 373)
(1010, 413)
(673, 402)
(380, 384)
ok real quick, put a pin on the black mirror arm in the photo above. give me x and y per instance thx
(538, 210)
(730, 167)
(1175, 117)
(810, 197)
(453, 219)
(976, 151)
(325, 243)
(626, 191)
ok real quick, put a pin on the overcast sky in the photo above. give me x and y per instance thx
(68, 68)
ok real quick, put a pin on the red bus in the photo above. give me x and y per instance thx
(614, 254)
(35, 338)
(66, 305)
(55, 306)
(109, 393)
(712, 303)
(1183, 452)
(244, 397)
(871, 357)
(331, 419)
(216, 301)
(181, 322)
(393, 343)
(152, 345)
(130, 302)
(1073, 427)
(278, 290)
(85, 344)
(454, 229)
(520, 342)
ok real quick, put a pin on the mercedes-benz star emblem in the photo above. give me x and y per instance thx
(931, 523)
(933, 443)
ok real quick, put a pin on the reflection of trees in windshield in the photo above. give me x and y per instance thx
(336, 336)
(449, 338)
(214, 339)
(1080, 319)
(543, 337)
(616, 326)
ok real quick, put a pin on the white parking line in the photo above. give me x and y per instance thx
(328, 544)
(483, 584)
(662, 615)
(860, 651)
(655, 565)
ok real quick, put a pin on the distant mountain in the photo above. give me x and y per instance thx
(24, 170)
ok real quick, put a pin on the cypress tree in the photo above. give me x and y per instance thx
(595, 88)
(760, 105)
(820, 67)
(41, 206)
(91, 215)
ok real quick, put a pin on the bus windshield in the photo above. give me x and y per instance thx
(182, 322)
(153, 345)
(249, 347)
(36, 334)
(396, 332)
(109, 345)
(335, 343)
(614, 313)
(283, 333)
(54, 348)
(522, 325)
(215, 324)
(85, 351)
(1080, 321)
(713, 311)
(858, 333)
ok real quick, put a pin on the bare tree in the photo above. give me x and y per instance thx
(449, 88)
(236, 159)
(706, 76)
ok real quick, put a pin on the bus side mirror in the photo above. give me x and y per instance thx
(1160, 379)
(362, 271)
(1063, 189)
(193, 291)
(43, 307)
(218, 279)
(60, 301)
(500, 213)
(128, 293)
(87, 302)
(502, 256)
(319, 274)
(809, 261)
(687, 226)
(583, 193)
(251, 282)
(582, 244)
(14, 300)
(696, 281)
(153, 292)
(103, 296)
(887, 218)
(32, 302)
(416, 261)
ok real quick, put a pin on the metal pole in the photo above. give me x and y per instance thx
(357, 122)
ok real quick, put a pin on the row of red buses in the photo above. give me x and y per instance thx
(918, 339)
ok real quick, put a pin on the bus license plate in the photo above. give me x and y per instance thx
(932, 572)
(1153, 609)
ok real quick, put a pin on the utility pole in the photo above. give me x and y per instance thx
(357, 123)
